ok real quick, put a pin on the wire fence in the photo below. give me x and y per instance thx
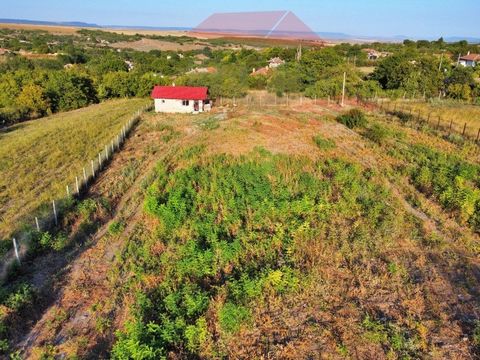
(48, 217)
(407, 112)
(265, 99)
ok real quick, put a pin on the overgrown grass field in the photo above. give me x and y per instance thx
(273, 233)
(39, 158)
(447, 111)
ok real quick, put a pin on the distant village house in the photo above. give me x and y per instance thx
(272, 64)
(469, 60)
(203, 70)
(373, 54)
(275, 62)
(181, 99)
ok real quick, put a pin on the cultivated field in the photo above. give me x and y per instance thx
(272, 230)
(39, 158)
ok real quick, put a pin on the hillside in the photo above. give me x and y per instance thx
(39, 158)
(275, 232)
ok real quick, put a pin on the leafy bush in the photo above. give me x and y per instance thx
(377, 133)
(353, 118)
(453, 181)
(115, 228)
(322, 143)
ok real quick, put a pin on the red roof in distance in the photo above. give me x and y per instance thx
(180, 92)
(471, 57)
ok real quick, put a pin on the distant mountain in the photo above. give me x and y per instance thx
(49, 23)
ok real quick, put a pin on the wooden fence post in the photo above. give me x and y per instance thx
(450, 127)
(93, 168)
(15, 248)
(478, 135)
(68, 191)
(78, 187)
(464, 129)
(36, 223)
(106, 152)
(84, 176)
(438, 124)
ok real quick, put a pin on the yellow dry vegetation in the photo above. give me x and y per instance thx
(39, 158)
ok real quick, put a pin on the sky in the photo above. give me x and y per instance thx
(414, 18)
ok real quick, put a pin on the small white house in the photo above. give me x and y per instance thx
(275, 62)
(181, 99)
(470, 60)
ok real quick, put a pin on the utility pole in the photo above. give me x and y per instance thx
(343, 88)
(298, 56)
(441, 62)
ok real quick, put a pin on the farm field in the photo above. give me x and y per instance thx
(273, 231)
(39, 158)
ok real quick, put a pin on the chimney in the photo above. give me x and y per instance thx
(173, 84)
(253, 71)
(468, 53)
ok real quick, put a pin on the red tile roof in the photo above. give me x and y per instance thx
(180, 92)
(471, 57)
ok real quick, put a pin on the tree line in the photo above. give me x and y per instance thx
(83, 73)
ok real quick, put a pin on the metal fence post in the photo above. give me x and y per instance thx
(55, 212)
(15, 247)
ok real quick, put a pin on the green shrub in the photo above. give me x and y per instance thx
(354, 118)
(322, 143)
(20, 298)
(115, 228)
(231, 316)
(87, 208)
(377, 133)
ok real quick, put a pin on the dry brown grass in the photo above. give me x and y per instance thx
(447, 112)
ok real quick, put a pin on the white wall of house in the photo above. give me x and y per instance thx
(467, 63)
(177, 106)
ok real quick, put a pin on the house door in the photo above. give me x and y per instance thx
(196, 106)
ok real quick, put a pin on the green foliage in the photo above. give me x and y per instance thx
(236, 230)
(454, 182)
(87, 208)
(354, 118)
(21, 297)
(322, 143)
(211, 123)
(285, 80)
(404, 343)
(33, 98)
(378, 133)
(116, 228)
(231, 316)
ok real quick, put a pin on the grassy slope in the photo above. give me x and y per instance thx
(305, 238)
(39, 158)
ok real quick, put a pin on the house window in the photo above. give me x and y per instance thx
(185, 102)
